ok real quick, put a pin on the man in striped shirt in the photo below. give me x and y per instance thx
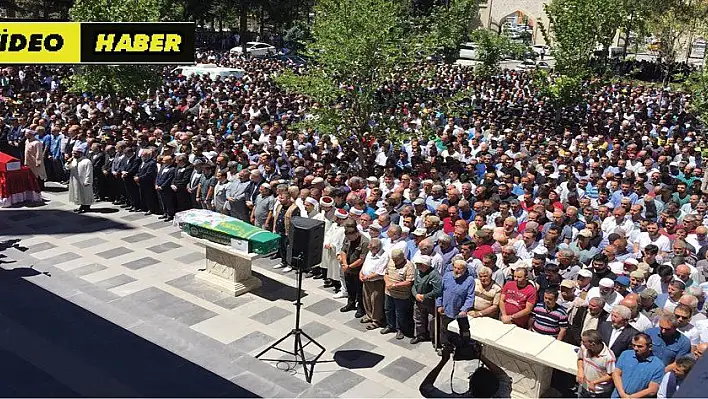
(596, 362)
(549, 318)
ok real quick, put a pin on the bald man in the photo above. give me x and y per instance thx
(683, 273)
(699, 239)
(639, 321)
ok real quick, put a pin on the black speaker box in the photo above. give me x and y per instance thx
(305, 241)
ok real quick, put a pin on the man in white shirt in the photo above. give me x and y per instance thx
(639, 321)
(618, 220)
(371, 274)
(606, 291)
(652, 236)
(395, 239)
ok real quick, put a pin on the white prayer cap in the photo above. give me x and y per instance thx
(422, 259)
(341, 214)
(326, 202)
(311, 201)
(356, 211)
(381, 211)
(585, 273)
(607, 283)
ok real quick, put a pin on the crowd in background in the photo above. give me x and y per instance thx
(587, 224)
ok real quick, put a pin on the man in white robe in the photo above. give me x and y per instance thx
(325, 214)
(80, 171)
(334, 239)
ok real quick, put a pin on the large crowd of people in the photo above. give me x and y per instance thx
(587, 224)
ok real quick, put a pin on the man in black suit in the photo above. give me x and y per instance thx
(111, 185)
(98, 159)
(586, 318)
(130, 166)
(145, 179)
(183, 174)
(616, 333)
(163, 183)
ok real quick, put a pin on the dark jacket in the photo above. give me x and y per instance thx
(131, 166)
(428, 284)
(98, 160)
(622, 343)
(575, 326)
(147, 172)
(165, 177)
(183, 176)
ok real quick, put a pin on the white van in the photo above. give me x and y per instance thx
(210, 69)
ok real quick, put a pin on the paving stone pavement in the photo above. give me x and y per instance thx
(138, 275)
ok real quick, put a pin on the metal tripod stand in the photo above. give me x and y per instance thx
(298, 351)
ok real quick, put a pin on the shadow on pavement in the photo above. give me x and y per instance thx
(357, 359)
(52, 221)
(52, 348)
(273, 290)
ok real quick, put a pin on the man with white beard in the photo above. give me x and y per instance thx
(312, 207)
(606, 291)
(80, 178)
(326, 215)
(333, 240)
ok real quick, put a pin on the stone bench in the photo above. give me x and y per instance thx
(227, 269)
(527, 357)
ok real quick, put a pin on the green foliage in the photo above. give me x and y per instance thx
(129, 80)
(297, 36)
(561, 90)
(577, 27)
(123, 80)
(40, 9)
(448, 26)
(491, 50)
(697, 85)
(115, 11)
(357, 46)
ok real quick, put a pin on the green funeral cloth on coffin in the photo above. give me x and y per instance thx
(220, 228)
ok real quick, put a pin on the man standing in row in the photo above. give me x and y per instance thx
(80, 178)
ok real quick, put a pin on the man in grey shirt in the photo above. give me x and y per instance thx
(262, 205)
(236, 196)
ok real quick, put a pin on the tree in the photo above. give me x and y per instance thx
(40, 9)
(560, 90)
(576, 29)
(357, 46)
(123, 80)
(670, 21)
(449, 26)
(491, 50)
(697, 85)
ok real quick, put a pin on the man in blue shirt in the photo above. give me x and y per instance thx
(667, 341)
(638, 372)
(456, 300)
(624, 191)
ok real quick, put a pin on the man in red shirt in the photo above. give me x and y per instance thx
(483, 240)
(518, 298)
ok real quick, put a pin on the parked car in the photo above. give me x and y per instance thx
(256, 49)
(542, 65)
(209, 69)
(290, 58)
(468, 51)
(526, 65)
